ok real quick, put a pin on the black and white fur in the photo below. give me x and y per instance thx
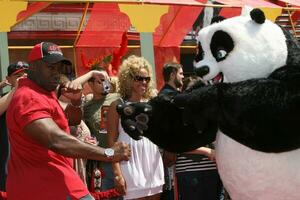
(257, 145)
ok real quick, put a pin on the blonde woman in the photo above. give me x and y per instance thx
(142, 177)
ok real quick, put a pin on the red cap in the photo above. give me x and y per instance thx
(47, 52)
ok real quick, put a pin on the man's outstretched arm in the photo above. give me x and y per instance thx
(46, 132)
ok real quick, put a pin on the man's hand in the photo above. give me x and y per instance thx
(73, 91)
(91, 140)
(122, 151)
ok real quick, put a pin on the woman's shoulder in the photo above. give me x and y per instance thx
(110, 98)
(116, 102)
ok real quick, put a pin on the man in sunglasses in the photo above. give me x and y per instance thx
(41, 164)
(14, 71)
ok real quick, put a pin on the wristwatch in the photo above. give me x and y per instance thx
(109, 152)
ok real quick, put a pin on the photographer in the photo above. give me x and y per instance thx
(94, 115)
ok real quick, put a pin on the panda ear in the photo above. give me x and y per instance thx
(258, 16)
(217, 19)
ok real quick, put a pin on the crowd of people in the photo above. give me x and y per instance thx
(58, 143)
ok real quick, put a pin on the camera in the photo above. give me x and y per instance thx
(106, 87)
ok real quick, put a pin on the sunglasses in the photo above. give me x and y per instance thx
(141, 79)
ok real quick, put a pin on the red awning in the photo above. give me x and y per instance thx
(230, 12)
(292, 2)
(233, 3)
(105, 26)
(175, 25)
(31, 9)
(252, 3)
(176, 2)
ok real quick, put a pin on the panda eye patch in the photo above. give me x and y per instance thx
(221, 54)
(221, 45)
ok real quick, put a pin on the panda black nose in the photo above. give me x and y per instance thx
(202, 71)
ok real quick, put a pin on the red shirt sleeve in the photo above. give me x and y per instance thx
(30, 109)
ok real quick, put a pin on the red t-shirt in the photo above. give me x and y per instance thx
(34, 172)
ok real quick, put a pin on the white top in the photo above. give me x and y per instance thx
(143, 173)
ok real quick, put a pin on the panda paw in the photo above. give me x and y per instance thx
(134, 118)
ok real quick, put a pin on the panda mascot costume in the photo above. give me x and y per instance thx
(251, 111)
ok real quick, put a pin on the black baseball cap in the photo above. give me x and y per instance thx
(47, 52)
(17, 67)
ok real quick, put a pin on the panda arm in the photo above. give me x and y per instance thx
(167, 129)
(165, 126)
(262, 114)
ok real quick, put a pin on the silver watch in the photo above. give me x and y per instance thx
(109, 152)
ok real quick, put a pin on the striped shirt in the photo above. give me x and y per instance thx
(194, 163)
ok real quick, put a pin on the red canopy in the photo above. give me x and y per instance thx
(105, 26)
(252, 3)
(31, 9)
(175, 25)
(292, 2)
(177, 2)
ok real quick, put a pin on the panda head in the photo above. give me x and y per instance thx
(240, 48)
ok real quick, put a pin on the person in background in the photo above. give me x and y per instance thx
(14, 72)
(142, 177)
(100, 175)
(80, 131)
(173, 78)
(41, 144)
(196, 171)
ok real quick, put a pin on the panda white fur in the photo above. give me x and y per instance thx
(241, 49)
(252, 110)
(238, 47)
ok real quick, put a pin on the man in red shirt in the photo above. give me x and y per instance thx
(40, 166)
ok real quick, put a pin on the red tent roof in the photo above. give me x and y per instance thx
(252, 3)
(292, 2)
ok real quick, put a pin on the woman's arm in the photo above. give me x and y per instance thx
(4, 83)
(94, 73)
(113, 134)
(210, 153)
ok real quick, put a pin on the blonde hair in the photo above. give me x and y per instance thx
(128, 70)
(114, 81)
